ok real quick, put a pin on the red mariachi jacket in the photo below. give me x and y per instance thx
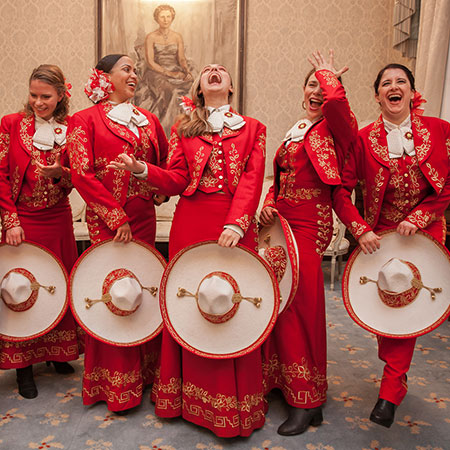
(244, 151)
(93, 141)
(17, 152)
(368, 162)
(329, 139)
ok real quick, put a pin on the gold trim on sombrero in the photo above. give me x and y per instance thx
(110, 279)
(235, 300)
(34, 288)
(400, 299)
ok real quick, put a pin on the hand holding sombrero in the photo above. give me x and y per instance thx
(403, 289)
(219, 302)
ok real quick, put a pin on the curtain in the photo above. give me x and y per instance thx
(434, 36)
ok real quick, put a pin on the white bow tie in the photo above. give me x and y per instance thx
(128, 115)
(221, 117)
(298, 131)
(48, 133)
(400, 139)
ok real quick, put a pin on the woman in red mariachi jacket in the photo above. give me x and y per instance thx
(119, 206)
(402, 162)
(306, 168)
(216, 163)
(33, 203)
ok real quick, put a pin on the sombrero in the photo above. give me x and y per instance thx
(403, 289)
(219, 302)
(114, 292)
(277, 245)
(33, 290)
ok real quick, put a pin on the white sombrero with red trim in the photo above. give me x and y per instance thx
(403, 289)
(33, 291)
(219, 302)
(277, 245)
(114, 292)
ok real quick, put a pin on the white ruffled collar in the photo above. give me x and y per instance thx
(400, 138)
(222, 117)
(298, 131)
(47, 133)
(127, 114)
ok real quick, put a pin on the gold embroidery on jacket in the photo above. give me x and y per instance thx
(324, 147)
(112, 218)
(330, 78)
(434, 175)
(9, 219)
(4, 145)
(375, 190)
(197, 167)
(78, 153)
(424, 135)
(374, 137)
(357, 229)
(244, 222)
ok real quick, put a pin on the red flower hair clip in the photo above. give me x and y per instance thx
(187, 104)
(68, 88)
(98, 87)
(416, 102)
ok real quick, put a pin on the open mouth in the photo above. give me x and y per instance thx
(315, 103)
(214, 78)
(395, 98)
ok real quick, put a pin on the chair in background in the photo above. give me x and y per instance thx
(338, 247)
(80, 229)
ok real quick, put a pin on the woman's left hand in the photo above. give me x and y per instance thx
(318, 62)
(228, 238)
(406, 228)
(53, 171)
(127, 162)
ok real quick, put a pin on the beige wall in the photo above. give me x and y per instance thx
(281, 34)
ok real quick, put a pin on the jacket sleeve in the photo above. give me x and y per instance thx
(8, 211)
(248, 191)
(174, 179)
(81, 155)
(434, 205)
(336, 110)
(162, 143)
(342, 194)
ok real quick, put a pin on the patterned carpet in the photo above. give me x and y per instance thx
(57, 418)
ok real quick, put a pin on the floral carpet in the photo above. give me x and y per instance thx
(57, 418)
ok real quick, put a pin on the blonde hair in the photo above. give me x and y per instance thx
(52, 75)
(196, 123)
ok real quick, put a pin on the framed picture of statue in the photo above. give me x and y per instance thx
(171, 41)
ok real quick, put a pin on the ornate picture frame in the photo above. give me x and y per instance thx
(171, 41)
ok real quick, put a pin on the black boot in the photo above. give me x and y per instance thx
(383, 413)
(299, 420)
(25, 382)
(61, 367)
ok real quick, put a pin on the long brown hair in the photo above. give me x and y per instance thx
(52, 75)
(195, 123)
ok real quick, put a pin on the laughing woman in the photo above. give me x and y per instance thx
(35, 207)
(118, 206)
(402, 161)
(216, 163)
(306, 168)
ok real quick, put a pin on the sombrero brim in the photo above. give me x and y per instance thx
(281, 234)
(49, 309)
(419, 317)
(86, 281)
(247, 329)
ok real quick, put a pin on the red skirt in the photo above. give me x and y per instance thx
(295, 353)
(225, 396)
(118, 375)
(52, 228)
